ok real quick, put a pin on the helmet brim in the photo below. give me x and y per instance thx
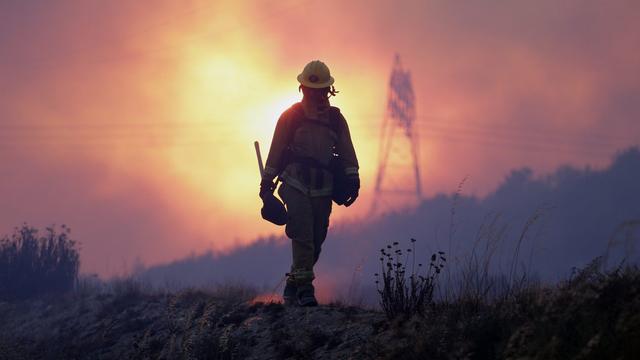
(302, 80)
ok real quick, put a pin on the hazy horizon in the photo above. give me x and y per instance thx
(573, 216)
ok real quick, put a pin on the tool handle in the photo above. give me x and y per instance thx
(260, 165)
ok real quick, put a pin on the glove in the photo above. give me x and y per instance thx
(266, 187)
(353, 190)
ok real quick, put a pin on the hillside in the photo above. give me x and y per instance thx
(591, 316)
(577, 212)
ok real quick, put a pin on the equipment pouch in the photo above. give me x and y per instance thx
(340, 193)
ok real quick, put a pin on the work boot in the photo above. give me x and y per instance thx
(289, 294)
(306, 296)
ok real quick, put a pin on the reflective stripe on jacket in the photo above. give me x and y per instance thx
(315, 140)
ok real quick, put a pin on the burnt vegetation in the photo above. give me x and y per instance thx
(428, 309)
(591, 315)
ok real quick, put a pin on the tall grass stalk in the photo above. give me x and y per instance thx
(406, 294)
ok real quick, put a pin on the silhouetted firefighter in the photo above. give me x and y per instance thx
(313, 157)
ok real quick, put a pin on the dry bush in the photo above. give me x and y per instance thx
(33, 265)
(406, 293)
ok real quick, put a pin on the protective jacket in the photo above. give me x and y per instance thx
(302, 150)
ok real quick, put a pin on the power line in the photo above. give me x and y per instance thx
(126, 145)
(158, 133)
(114, 125)
(506, 129)
(489, 129)
(519, 138)
(541, 147)
(486, 131)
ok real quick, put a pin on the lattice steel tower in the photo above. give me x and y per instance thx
(398, 163)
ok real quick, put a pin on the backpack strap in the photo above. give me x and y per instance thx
(298, 120)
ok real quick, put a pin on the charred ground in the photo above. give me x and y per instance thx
(592, 315)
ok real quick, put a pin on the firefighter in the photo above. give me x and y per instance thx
(313, 157)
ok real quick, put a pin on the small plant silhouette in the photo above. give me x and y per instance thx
(403, 293)
(33, 265)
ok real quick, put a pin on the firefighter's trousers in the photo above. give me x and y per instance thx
(307, 225)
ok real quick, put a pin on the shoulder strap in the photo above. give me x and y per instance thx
(299, 118)
(334, 119)
(296, 109)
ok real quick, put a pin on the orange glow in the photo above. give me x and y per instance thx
(230, 98)
(158, 112)
(267, 299)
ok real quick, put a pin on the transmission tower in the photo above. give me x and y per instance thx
(398, 165)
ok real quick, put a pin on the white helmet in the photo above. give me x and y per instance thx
(316, 75)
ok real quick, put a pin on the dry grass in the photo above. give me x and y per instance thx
(33, 265)
(406, 291)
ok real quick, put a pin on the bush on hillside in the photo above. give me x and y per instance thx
(32, 265)
(403, 289)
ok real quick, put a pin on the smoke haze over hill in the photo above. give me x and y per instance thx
(579, 210)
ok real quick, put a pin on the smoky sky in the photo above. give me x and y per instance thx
(499, 85)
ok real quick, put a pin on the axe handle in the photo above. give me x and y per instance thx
(259, 156)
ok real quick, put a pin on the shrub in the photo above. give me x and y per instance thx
(33, 265)
(402, 293)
